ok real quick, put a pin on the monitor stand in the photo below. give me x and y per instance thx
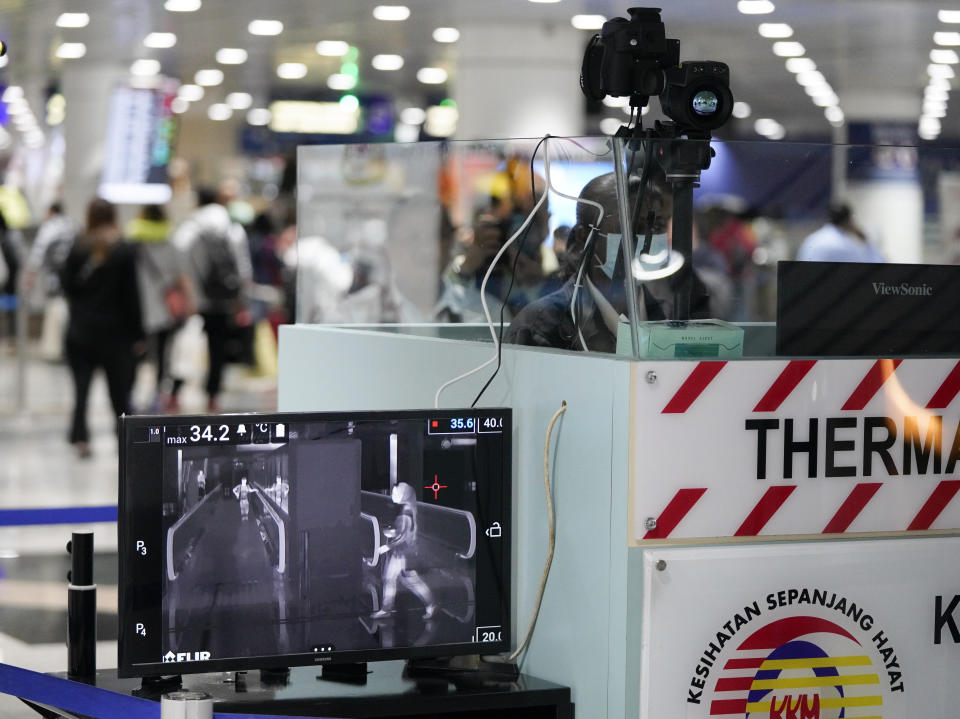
(275, 677)
(347, 673)
(470, 669)
(158, 685)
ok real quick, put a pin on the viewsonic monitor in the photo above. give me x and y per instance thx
(278, 540)
(855, 309)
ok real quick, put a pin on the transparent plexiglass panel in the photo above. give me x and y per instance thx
(411, 238)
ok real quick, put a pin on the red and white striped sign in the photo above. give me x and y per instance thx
(801, 447)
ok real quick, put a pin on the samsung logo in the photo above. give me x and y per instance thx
(902, 290)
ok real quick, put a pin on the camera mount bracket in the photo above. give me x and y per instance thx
(683, 154)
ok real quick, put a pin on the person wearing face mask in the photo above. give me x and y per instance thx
(584, 314)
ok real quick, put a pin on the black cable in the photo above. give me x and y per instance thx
(513, 273)
(644, 179)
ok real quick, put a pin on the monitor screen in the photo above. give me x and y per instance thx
(276, 540)
(854, 309)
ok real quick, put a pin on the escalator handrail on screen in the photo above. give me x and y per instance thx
(171, 574)
(375, 523)
(281, 527)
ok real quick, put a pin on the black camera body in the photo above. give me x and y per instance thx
(635, 58)
(628, 57)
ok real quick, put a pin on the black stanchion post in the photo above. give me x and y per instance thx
(81, 609)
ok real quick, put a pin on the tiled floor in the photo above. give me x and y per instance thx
(38, 468)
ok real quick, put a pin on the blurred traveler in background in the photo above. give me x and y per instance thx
(218, 261)
(713, 269)
(840, 240)
(4, 273)
(55, 236)
(166, 297)
(12, 254)
(99, 279)
(727, 231)
(521, 271)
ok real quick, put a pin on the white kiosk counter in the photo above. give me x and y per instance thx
(760, 537)
(729, 534)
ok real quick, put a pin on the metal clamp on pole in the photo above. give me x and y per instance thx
(186, 705)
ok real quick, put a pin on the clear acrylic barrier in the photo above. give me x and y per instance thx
(401, 236)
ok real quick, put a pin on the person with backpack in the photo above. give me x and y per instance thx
(166, 295)
(41, 278)
(55, 237)
(217, 256)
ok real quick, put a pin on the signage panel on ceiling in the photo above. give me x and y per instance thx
(814, 630)
(801, 447)
(140, 136)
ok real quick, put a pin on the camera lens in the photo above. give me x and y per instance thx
(705, 103)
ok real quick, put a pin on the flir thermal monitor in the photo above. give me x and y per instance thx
(268, 541)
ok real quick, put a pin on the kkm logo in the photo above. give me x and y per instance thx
(801, 667)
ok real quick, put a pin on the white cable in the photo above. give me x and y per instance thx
(576, 292)
(551, 537)
(483, 285)
(576, 284)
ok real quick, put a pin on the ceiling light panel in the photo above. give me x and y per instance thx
(208, 77)
(946, 38)
(291, 70)
(387, 62)
(160, 40)
(73, 19)
(190, 93)
(413, 115)
(231, 56)
(332, 48)
(588, 22)
(219, 112)
(811, 79)
(265, 27)
(788, 48)
(755, 7)
(145, 67)
(944, 71)
(239, 100)
(800, 64)
(446, 34)
(391, 13)
(432, 75)
(259, 116)
(775, 30)
(182, 5)
(944, 57)
(71, 50)
(341, 81)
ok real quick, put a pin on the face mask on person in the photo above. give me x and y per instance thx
(655, 260)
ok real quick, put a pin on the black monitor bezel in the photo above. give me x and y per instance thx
(127, 669)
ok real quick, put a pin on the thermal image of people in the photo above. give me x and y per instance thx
(242, 492)
(401, 544)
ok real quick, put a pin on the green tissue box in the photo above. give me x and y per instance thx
(694, 339)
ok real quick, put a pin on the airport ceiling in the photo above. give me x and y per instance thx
(874, 53)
